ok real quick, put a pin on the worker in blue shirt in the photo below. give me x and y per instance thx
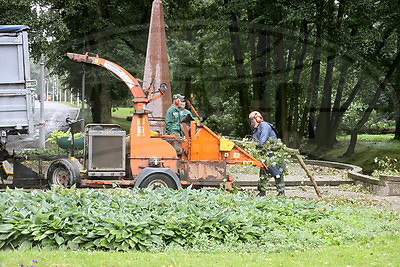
(262, 131)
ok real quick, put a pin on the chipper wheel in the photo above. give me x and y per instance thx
(64, 172)
(158, 180)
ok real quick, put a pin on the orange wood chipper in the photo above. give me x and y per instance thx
(198, 158)
(149, 159)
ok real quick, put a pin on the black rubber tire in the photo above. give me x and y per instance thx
(158, 180)
(63, 172)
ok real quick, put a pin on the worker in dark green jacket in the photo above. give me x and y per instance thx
(172, 116)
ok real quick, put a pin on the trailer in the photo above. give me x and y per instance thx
(16, 86)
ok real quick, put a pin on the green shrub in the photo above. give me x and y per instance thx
(386, 166)
(58, 134)
(164, 219)
(377, 122)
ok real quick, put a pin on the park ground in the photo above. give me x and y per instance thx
(381, 251)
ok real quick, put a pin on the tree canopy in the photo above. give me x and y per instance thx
(312, 68)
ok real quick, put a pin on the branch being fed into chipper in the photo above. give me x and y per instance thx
(296, 154)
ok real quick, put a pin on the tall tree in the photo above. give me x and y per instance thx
(281, 112)
(17, 12)
(397, 114)
(371, 106)
(239, 57)
(99, 27)
(333, 26)
(258, 57)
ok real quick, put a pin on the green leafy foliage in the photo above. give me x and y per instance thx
(210, 41)
(273, 152)
(165, 219)
(38, 152)
(375, 124)
(58, 134)
(386, 166)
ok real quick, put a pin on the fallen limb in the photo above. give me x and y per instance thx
(296, 154)
(282, 151)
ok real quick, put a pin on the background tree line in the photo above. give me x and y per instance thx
(312, 68)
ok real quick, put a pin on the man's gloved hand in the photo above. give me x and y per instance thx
(258, 146)
(262, 151)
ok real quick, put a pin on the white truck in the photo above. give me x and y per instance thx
(16, 86)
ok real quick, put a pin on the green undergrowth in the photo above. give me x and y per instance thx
(367, 149)
(182, 220)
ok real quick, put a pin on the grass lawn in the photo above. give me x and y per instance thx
(381, 251)
(119, 116)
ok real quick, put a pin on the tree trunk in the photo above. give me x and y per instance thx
(396, 99)
(396, 105)
(324, 117)
(292, 95)
(337, 110)
(397, 130)
(201, 88)
(339, 91)
(298, 68)
(261, 70)
(299, 65)
(188, 77)
(258, 65)
(240, 70)
(269, 91)
(312, 94)
(188, 86)
(371, 106)
(281, 112)
(342, 109)
(101, 102)
(323, 133)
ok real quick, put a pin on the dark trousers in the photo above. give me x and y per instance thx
(275, 172)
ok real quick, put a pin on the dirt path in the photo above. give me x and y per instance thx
(55, 115)
(320, 173)
(354, 192)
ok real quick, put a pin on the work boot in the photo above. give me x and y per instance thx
(280, 185)
(261, 189)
